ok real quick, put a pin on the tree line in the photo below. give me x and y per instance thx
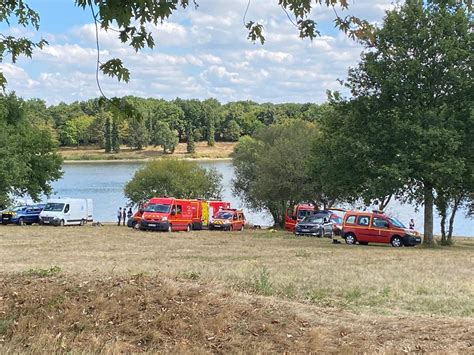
(139, 122)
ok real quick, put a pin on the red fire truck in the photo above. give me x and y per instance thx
(170, 214)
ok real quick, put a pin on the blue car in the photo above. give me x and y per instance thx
(22, 215)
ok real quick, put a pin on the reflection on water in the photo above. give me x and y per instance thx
(104, 183)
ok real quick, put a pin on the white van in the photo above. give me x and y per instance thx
(67, 211)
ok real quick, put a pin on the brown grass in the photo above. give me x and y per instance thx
(221, 150)
(113, 289)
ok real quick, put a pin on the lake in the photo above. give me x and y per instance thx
(104, 183)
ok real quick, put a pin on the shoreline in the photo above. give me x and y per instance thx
(144, 160)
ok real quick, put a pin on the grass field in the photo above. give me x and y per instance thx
(114, 289)
(221, 150)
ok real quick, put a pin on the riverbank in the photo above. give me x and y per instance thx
(220, 151)
(223, 292)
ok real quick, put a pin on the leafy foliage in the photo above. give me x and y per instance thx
(272, 168)
(168, 177)
(28, 163)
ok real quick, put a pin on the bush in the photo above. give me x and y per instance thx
(177, 178)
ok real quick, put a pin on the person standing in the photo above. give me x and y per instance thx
(124, 215)
(129, 213)
(412, 224)
(119, 215)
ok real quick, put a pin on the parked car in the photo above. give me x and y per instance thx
(67, 211)
(22, 215)
(376, 227)
(318, 225)
(228, 219)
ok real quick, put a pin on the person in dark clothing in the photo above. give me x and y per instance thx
(129, 213)
(124, 215)
(119, 215)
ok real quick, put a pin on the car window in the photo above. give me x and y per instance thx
(179, 209)
(66, 209)
(363, 220)
(351, 219)
(337, 220)
(380, 222)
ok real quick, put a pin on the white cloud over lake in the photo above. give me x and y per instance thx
(199, 53)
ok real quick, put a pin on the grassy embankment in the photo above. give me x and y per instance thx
(221, 150)
(115, 289)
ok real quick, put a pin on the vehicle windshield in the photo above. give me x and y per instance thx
(158, 207)
(397, 223)
(312, 219)
(337, 220)
(304, 213)
(18, 208)
(54, 207)
(224, 215)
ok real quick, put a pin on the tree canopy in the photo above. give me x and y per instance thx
(177, 178)
(408, 128)
(271, 168)
(28, 164)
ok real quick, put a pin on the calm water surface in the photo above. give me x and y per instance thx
(104, 183)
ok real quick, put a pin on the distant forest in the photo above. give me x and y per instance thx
(138, 122)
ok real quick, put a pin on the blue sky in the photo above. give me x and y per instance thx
(200, 53)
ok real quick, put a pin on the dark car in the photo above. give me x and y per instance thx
(318, 225)
(22, 215)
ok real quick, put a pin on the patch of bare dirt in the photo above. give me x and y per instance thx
(65, 313)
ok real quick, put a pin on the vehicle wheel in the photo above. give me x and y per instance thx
(136, 225)
(396, 241)
(211, 227)
(40, 222)
(29, 224)
(82, 222)
(21, 222)
(61, 223)
(188, 228)
(170, 228)
(350, 239)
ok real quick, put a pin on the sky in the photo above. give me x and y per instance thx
(199, 53)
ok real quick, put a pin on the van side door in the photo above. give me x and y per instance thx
(380, 232)
(363, 228)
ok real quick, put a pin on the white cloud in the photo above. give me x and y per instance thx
(200, 53)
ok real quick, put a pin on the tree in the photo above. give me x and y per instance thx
(272, 168)
(137, 133)
(108, 134)
(231, 131)
(177, 178)
(130, 19)
(29, 162)
(417, 69)
(114, 137)
(164, 136)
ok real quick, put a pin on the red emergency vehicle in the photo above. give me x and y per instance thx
(376, 227)
(170, 214)
(228, 219)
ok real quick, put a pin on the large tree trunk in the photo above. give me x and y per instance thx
(457, 202)
(443, 226)
(428, 218)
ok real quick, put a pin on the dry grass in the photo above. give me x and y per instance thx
(114, 289)
(221, 150)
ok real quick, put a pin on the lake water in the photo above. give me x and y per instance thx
(104, 183)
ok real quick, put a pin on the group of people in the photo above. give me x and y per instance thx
(123, 215)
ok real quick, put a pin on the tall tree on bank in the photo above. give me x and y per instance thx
(114, 137)
(419, 67)
(272, 168)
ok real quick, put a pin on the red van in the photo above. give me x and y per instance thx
(376, 227)
(228, 219)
